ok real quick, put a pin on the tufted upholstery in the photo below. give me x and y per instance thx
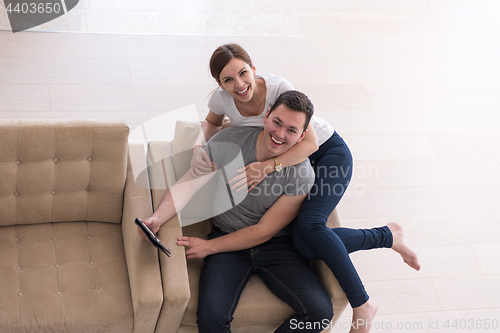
(54, 174)
(73, 271)
(71, 259)
(258, 309)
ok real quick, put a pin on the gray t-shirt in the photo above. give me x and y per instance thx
(233, 148)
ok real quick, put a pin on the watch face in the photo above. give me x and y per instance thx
(279, 167)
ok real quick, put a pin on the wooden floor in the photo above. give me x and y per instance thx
(413, 86)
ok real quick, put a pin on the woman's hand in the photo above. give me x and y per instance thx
(198, 248)
(251, 175)
(152, 223)
(201, 163)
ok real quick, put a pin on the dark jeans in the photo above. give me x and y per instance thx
(332, 165)
(287, 274)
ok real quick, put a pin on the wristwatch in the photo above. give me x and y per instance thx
(277, 165)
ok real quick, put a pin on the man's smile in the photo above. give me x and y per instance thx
(276, 141)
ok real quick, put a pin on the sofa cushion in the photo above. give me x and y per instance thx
(52, 171)
(64, 277)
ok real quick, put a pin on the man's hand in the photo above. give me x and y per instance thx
(198, 248)
(152, 223)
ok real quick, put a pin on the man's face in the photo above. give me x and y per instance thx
(283, 128)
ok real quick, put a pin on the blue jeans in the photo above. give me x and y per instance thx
(287, 274)
(332, 165)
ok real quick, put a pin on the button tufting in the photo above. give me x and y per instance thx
(54, 239)
(89, 238)
(92, 263)
(87, 189)
(57, 265)
(16, 240)
(20, 294)
(52, 192)
(89, 158)
(96, 289)
(16, 194)
(18, 162)
(59, 293)
(55, 159)
(18, 268)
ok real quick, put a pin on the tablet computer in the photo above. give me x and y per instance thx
(152, 237)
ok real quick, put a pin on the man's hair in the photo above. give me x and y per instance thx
(297, 101)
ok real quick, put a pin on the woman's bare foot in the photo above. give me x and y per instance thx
(362, 317)
(399, 245)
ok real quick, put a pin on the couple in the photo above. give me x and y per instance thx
(243, 238)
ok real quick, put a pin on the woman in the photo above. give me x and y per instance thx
(245, 98)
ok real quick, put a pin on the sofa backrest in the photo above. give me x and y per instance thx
(185, 135)
(201, 206)
(168, 161)
(62, 171)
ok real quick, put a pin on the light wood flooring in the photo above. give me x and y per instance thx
(413, 86)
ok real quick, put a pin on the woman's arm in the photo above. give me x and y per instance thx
(200, 162)
(254, 173)
(281, 213)
(211, 125)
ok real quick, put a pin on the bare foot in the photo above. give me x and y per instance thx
(362, 317)
(399, 245)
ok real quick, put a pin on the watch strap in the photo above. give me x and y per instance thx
(277, 165)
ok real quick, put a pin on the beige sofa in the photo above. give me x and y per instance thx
(258, 310)
(70, 257)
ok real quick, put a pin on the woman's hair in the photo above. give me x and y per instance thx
(296, 101)
(223, 55)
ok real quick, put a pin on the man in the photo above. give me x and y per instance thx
(252, 237)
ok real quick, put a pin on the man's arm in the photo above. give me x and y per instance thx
(281, 213)
(175, 199)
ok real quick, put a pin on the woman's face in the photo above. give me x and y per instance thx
(238, 79)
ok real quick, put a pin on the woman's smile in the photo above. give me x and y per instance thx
(243, 92)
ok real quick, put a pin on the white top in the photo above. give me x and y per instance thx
(222, 103)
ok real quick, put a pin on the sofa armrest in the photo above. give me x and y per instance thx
(176, 293)
(142, 258)
(332, 286)
(175, 281)
(333, 220)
